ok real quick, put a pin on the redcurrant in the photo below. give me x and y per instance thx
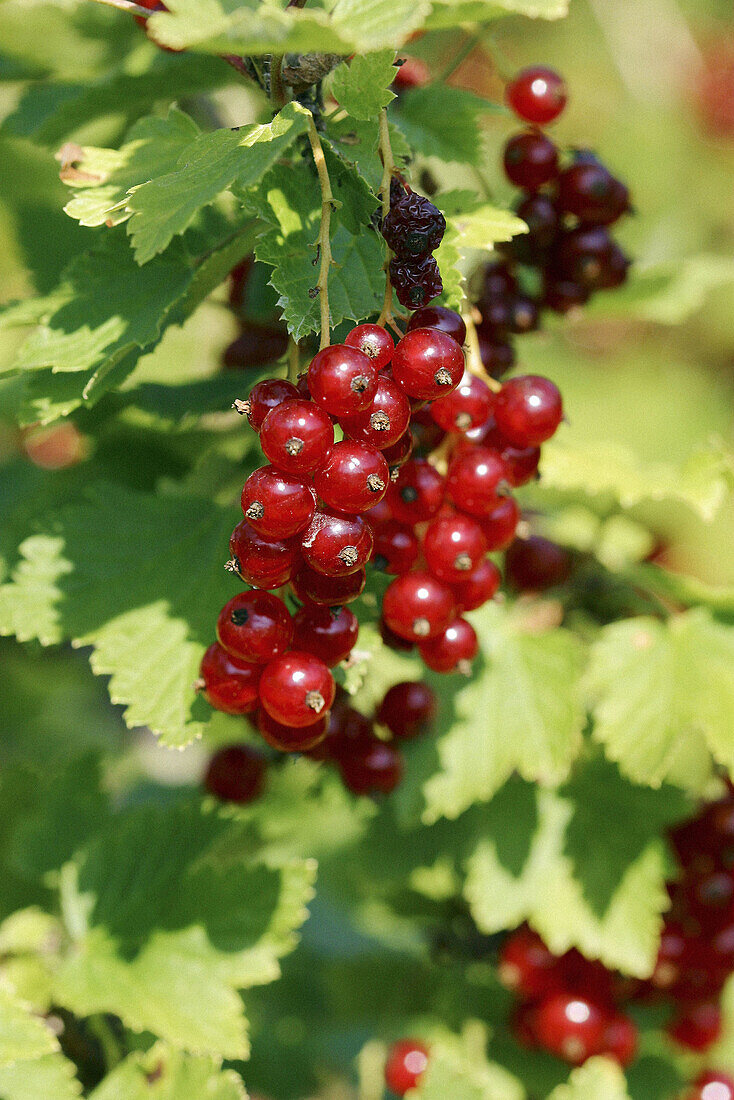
(236, 774)
(697, 1026)
(288, 738)
(374, 341)
(542, 219)
(371, 767)
(277, 505)
(454, 649)
(263, 563)
(228, 684)
(336, 545)
(313, 587)
(500, 524)
(407, 709)
(588, 190)
(417, 606)
(407, 1061)
(467, 407)
(427, 363)
(528, 967)
(713, 1085)
(570, 1026)
(342, 380)
(536, 95)
(528, 410)
(254, 626)
(398, 454)
(296, 688)
(473, 479)
(620, 1040)
(265, 396)
(531, 160)
(417, 493)
(477, 587)
(535, 563)
(296, 435)
(329, 633)
(353, 477)
(441, 318)
(453, 546)
(385, 421)
(396, 547)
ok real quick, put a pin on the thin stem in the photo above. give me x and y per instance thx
(127, 5)
(324, 242)
(388, 167)
(111, 1047)
(294, 360)
(474, 362)
(277, 89)
(468, 46)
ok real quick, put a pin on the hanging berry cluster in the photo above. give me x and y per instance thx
(568, 253)
(413, 229)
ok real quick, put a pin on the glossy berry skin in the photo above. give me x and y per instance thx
(570, 1027)
(446, 320)
(466, 407)
(619, 1040)
(427, 363)
(385, 421)
(254, 626)
(229, 685)
(267, 395)
(353, 477)
(342, 380)
(406, 1063)
(712, 1085)
(336, 545)
(418, 492)
(236, 774)
(528, 410)
(407, 709)
(454, 649)
(277, 505)
(527, 967)
(374, 341)
(497, 355)
(473, 479)
(296, 689)
(296, 435)
(328, 633)
(416, 606)
(263, 563)
(286, 738)
(499, 525)
(396, 548)
(562, 295)
(541, 218)
(316, 588)
(415, 282)
(398, 454)
(371, 768)
(521, 463)
(453, 546)
(499, 282)
(535, 563)
(530, 160)
(478, 587)
(697, 1026)
(584, 254)
(536, 95)
(588, 190)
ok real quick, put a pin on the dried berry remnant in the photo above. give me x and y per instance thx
(416, 282)
(414, 227)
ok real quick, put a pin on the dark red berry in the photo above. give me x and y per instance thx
(296, 435)
(288, 738)
(454, 649)
(583, 255)
(536, 95)
(528, 967)
(712, 1085)
(425, 431)
(619, 1040)
(353, 477)
(528, 410)
(521, 463)
(277, 505)
(524, 314)
(396, 547)
(453, 546)
(255, 346)
(588, 190)
(374, 341)
(228, 684)
(523, 1024)
(407, 709)
(254, 626)
(342, 380)
(393, 640)
(446, 320)
(313, 587)
(499, 525)
(416, 282)
(473, 479)
(413, 226)
(535, 563)
(499, 282)
(497, 355)
(349, 732)
(236, 774)
(265, 396)
(261, 562)
(562, 295)
(497, 317)
(541, 218)
(478, 587)
(531, 160)
(296, 689)
(417, 606)
(468, 406)
(336, 544)
(570, 1027)
(397, 455)
(329, 633)
(616, 269)
(418, 492)
(385, 421)
(371, 768)
(697, 1026)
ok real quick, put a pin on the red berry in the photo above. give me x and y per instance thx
(398, 454)
(407, 708)
(498, 283)
(542, 220)
(535, 563)
(454, 649)
(255, 346)
(497, 355)
(296, 688)
(478, 587)
(263, 563)
(570, 1027)
(417, 493)
(329, 633)
(353, 478)
(473, 478)
(342, 380)
(313, 587)
(275, 504)
(228, 684)
(562, 295)
(412, 73)
(406, 1063)
(528, 967)
(697, 1026)
(620, 1040)
(536, 95)
(336, 545)
(417, 606)
(255, 626)
(453, 546)
(588, 190)
(583, 255)
(446, 320)
(467, 407)
(288, 738)
(372, 767)
(374, 341)
(531, 160)
(528, 410)
(236, 774)
(521, 462)
(427, 363)
(265, 396)
(396, 547)
(709, 896)
(349, 732)
(296, 435)
(386, 420)
(713, 1085)
(500, 524)
(524, 314)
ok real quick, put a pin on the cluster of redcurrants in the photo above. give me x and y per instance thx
(413, 229)
(568, 253)
(368, 764)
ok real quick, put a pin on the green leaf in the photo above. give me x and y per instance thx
(162, 1073)
(681, 589)
(149, 570)
(31, 1065)
(23, 1037)
(458, 1068)
(603, 468)
(362, 86)
(598, 1079)
(663, 697)
(167, 205)
(478, 225)
(443, 121)
(451, 13)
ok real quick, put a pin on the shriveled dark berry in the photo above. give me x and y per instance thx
(416, 282)
(414, 227)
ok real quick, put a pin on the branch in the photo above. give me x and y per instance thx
(474, 362)
(388, 167)
(324, 242)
